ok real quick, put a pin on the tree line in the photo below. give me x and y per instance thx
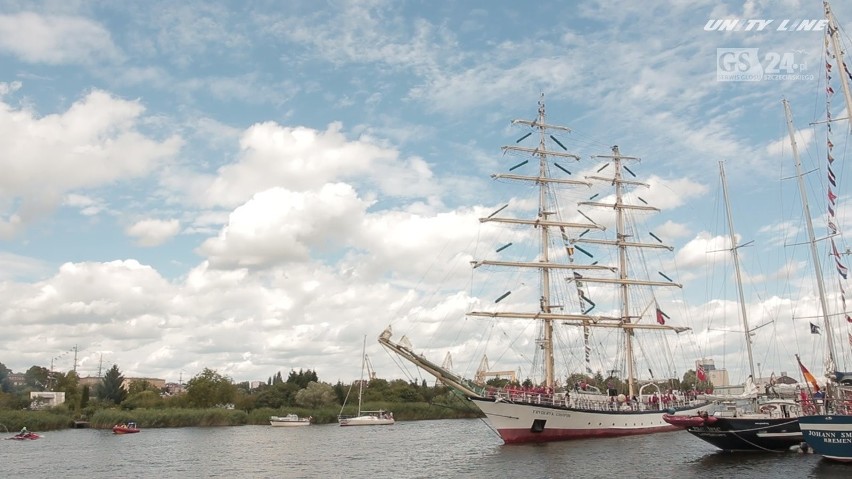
(210, 389)
(205, 390)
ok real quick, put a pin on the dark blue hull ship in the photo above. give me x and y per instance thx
(829, 435)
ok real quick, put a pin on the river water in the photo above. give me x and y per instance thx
(420, 449)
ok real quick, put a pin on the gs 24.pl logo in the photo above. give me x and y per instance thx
(748, 64)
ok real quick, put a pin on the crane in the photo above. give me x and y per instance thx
(371, 373)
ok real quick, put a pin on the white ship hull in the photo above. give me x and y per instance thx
(519, 423)
(366, 421)
(301, 423)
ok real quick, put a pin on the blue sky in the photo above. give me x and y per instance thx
(254, 186)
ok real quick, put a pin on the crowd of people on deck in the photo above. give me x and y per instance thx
(659, 400)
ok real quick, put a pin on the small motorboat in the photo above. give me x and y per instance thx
(695, 420)
(290, 420)
(25, 436)
(126, 428)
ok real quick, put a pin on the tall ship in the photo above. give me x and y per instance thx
(596, 288)
(827, 428)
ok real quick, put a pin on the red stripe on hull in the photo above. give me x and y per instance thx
(521, 436)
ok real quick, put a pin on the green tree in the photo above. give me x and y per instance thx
(429, 394)
(111, 388)
(302, 378)
(277, 396)
(148, 399)
(37, 378)
(5, 386)
(84, 397)
(375, 390)
(140, 385)
(315, 396)
(340, 390)
(209, 389)
(69, 384)
(497, 382)
(397, 390)
(11, 401)
(244, 401)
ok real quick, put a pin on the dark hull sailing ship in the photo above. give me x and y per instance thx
(773, 427)
(551, 411)
(750, 421)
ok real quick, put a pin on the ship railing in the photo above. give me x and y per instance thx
(566, 400)
(834, 406)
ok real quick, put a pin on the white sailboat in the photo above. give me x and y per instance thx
(364, 418)
(552, 410)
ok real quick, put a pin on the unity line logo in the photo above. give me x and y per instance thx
(749, 64)
(761, 25)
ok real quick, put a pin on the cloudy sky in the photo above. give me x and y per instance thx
(253, 187)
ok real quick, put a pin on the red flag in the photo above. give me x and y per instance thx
(661, 316)
(702, 376)
(808, 376)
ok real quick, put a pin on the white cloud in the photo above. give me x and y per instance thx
(671, 229)
(703, 250)
(153, 232)
(804, 138)
(95, 142)
(56, 39)
(88, 206)
(278, 225)
(300, 159)
(13, 266)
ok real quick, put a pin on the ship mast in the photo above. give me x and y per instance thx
(736, 258)
(544, 222)
(833, 31)
(838, 55)
(829, 335)
(622, 269)
(621, 242)
(543, 214)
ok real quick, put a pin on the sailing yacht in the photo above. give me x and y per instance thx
(364, 418)
(750, 421)
(567, 240)
(827, 429)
